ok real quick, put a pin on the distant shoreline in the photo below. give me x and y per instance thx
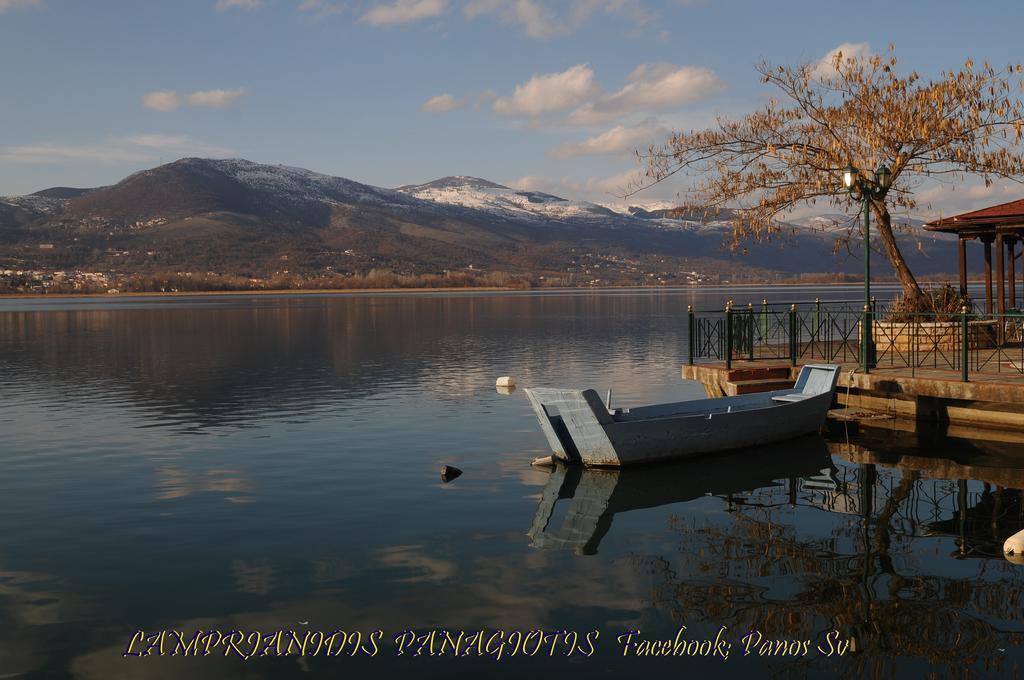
(281, 291)
(422, 291)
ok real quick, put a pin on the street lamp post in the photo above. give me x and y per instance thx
(866, 189)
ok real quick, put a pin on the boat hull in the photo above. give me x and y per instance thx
(579, 428)
(673, 438)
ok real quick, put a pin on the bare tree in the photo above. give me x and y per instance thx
(853, 110)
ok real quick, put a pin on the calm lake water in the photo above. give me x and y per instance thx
(262, 464)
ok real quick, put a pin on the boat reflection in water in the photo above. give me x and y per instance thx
(890, 541)
(594, 496)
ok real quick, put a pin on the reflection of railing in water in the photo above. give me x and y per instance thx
(928, 507)
(863, 576)
(966, 342)
(863, 573)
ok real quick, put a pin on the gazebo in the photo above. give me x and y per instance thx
(1000, 224)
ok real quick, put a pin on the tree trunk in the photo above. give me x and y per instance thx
(911, 289)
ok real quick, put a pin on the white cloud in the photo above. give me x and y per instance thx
(163, 100)
(826, 67)
(14, 4)
(944, 200)
(549, 186)
(322, 8)
(217, 99)
(140, 148)
(225, 5)
(549, 92)
(404, 12)
(651, 87)
(169, 100)
(442, 103)
(182, 144)
(476, 8)
(483, 98)
(619, 184)
(656, 85)
(620, 139)
(597, 189)
(538, 20)
(634, 9)
(174, 145)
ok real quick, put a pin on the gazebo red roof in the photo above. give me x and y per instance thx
(1002, 215)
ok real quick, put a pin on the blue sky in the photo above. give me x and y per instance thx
(543, 94)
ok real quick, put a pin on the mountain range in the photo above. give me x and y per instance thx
(244, 218)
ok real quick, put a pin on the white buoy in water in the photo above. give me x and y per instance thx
(1013, 548)
(505, 381)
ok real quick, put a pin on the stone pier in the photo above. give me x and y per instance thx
(989, 400)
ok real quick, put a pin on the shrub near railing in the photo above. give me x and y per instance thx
(940, 303)
(932, 323)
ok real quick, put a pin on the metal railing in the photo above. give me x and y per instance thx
(966, 343)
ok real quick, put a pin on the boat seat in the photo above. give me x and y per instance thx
(787, 398)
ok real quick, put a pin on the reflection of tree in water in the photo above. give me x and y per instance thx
(861, 576)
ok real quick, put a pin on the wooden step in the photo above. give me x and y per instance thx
(748, 373)
(737, 387)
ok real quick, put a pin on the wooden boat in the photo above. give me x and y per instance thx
(580, 428)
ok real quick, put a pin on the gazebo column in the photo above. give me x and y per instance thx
(962, 248)
(988, 274)
(1012, 282)
(1000, 277)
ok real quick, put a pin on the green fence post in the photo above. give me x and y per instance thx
(728, 336)
(865, 339)
(690, 335)
(764, 321)
(750, 330)
(817, 321)
(964, 355)
(792, 335)
(873, 348)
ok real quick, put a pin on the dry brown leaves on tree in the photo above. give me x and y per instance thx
(792, 152)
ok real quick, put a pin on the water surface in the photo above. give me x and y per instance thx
(272, 463)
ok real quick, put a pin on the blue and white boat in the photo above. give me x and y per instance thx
(581, 429)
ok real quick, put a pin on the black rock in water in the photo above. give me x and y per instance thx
(449, 472)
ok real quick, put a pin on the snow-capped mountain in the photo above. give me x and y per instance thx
(481, 194)
(507, 203)
(239, 216)
(35, 203)
(827, 223)
(281, 183)
(838, 223)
